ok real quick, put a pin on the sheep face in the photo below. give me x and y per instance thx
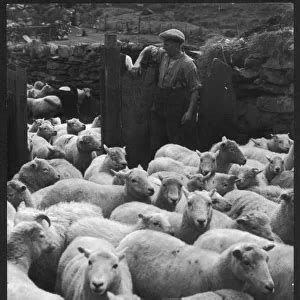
(137, 182)
(257, 223)
(56, 152)
(88, 143)
(232, 152)
(103, 271)
(55, 121)
(41, 171)
(276, 165)
(38, 85)
(199, 209)
(247, 177)
(17, 192)
(219, 202)
(250, 265)
(195, 183)
(74, 126)
(224, 183)
(117, 157)
(281, 142)
(46, 130)
(35, 125)
(287, 200)
(171, 190)
(156, 221)
(208, 162)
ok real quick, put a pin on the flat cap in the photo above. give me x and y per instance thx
(173, 34)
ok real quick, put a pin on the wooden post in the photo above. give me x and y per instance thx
(112, 103)
(105, 17)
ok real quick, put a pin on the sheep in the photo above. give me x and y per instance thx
(78, 149)
(18, 192)
(273, 168)
(38, 85)
(40, 148)
(229, 153)
(72, 126)
(205, 162)
(169, 164)
(10, 217)
(244, 202)
(111, 296)
(218, 202)
(100, 169)
(285, 179)
(35, 124)
(95, 124)
(282, 218)
(289, 159)
(270, 192)
(38, 196)
(45, 107)
(108, 197)
(37, 174)
(255, 222)
(247, 175)
(281, 258)
(258, 142)
(225, 294)
(223, 183)
(26, 243)
(113, 231)
(40, 92)
(162, 266)
(64, 168)
(280, 143)
(91, 267)
(62, 216)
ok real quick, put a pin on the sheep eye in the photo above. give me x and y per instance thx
(133, 180)
(164, 184)
(247, 263)
(115, 266)
(189, 204)
(209, 204)
(156, 223)
(45, 170)
(225, 185)
(90, 263)
(214, 201)
(201, 159)
(42, 235)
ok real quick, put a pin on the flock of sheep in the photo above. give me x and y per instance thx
(193, 226)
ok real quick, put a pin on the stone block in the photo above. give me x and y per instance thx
(283, 104)
(63, 51)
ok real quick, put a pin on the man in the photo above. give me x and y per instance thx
(173, 115)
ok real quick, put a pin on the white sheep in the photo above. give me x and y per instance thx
(17, 192)
(40, 148)
(72, 126)
(281, 258)
(272, 169)
(205, 162)
(95, 124)
(91, 267)
(26, 243)
(113, 231)
(108, 197)
(229, 153)
(282, 219)
(62, 216)
(169, 164)
(65, 168)
(223, 183)
(35, 125)
(244, 201)
(78, 149)
(163, 267)
(46, 107)
(289, 159)
(10, 217)
(225, 294)
(270, 192)
(279, 143)
(285, 179)
(100, 169)
(37, 174)
(39, 90)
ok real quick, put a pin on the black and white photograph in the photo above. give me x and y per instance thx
(150, 151)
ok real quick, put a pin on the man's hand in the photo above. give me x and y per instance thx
(186, 117)
(136, 70)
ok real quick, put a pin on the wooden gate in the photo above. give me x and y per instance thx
(17, 120)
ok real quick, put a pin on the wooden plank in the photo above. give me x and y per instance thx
(112, 110)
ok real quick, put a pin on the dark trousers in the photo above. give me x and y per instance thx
(168, 109)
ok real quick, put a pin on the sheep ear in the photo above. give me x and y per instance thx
(185, 192)
(105, 148)
(94, 155)
(234, 178)
(211, 193)
(242, 220)
(23, 188)
(110, 295)
(274, 136)
(224, 139)
(115, 172)
(33, 164)
(255, 142)
(207, 176)
(21, 206)
(85, 251)
(256, 171)
(143, 217)
(140, 167)
(198, 153)
(121, 254)
(237, 253)
(124, 149)
(268, 158)
(285, 197)
(160, 177)
(268, 247)
(217, 153)
(291, 141)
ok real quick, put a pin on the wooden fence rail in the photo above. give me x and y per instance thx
(17, 120)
